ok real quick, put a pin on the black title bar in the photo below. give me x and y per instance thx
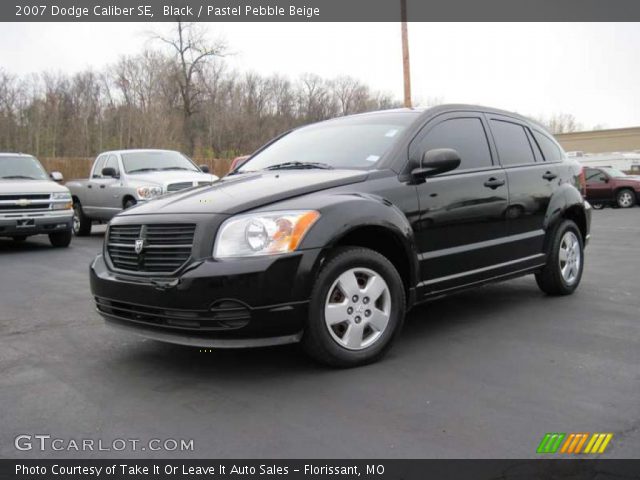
(318, 469)
(316, 10)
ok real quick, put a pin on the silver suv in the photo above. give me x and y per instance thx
(31, 202)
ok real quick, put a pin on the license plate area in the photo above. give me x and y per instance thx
(25, 223)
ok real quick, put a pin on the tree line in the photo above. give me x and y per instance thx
(181, 95)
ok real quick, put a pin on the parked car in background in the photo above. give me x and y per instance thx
(121, 179)
(329, 234)
(610, 186)
(31, 202)
(237, 162)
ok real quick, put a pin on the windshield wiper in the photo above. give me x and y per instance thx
(142, 170)
(177, 168)
(301, 165)
(19, 176)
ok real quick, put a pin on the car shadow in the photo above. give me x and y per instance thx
(425, 323)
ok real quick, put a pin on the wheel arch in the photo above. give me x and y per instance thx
(567, 204)
(373, 223)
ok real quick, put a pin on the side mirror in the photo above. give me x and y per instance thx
(56, 176)
(436, 161)
(604, 179)
(204, 168)
(109, 172)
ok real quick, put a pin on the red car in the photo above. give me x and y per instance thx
(610, 186)
(237, 162)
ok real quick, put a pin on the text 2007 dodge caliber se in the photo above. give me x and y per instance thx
(328, 234)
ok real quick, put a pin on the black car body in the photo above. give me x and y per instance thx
(405, 211)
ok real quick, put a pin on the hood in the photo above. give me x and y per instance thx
(170, 176)
(30, 186)
(238, 193)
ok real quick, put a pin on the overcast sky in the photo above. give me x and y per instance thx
(589, 70)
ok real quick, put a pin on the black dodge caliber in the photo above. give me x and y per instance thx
(331, 232)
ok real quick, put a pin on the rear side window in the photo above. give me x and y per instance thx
(549, 149)
(465, 135)
(512, 143)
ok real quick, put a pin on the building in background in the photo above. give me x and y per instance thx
(616, 147)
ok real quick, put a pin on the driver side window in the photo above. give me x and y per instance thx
(594, 176)
(99, 165)
(466, 135)
(112, 162)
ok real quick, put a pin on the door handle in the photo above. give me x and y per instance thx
(89, 186)
(549, 176)
(494, 183)
(102, 186)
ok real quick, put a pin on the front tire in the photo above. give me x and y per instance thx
(130, 202)
(626, 198)
(61, 239)
(565, 261)
(597, 206)
(357, 309)
(81, 223)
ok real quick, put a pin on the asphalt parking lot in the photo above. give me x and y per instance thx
(485, 373)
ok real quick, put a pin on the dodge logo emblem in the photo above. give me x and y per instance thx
(139, 245)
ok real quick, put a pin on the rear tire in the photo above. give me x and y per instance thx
(81, 223)
(626, 198)
(357, 309)
(565, 261)
(597, 206)
(61, 239)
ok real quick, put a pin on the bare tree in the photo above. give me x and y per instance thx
(192, 51)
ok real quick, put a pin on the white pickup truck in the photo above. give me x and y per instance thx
(31, 202)
(120, 179)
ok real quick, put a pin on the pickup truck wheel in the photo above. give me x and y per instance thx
(597, 206)
(81, 223)
(626, 198)
(565, 261)
(356, 310)
(61, 239)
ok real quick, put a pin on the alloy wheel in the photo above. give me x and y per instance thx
(625, 200)
(76, 220)
(570, 257)
(357, 308)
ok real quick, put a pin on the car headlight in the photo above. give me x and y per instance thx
(268, 233)
(148, 192)
(58, 205)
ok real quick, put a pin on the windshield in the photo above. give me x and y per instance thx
(146, 161)
(614, 172)
(21, 167)
(350, 142)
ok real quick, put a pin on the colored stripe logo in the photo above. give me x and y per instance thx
(573, 443)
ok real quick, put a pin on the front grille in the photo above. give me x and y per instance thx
(166, 247)
(28, 196)
(235, 316)
(36, 202)
(174, 187)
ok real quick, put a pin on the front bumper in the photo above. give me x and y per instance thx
(15, 224)
(224, 304)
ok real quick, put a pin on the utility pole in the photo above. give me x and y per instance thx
(405, 54)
